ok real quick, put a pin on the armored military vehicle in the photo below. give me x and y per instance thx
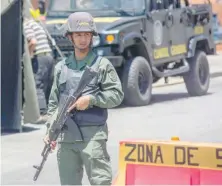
(145, 40)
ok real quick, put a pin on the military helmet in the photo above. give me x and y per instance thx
(80, 22)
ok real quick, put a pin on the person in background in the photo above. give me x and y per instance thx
(42, 4)
(42, 61)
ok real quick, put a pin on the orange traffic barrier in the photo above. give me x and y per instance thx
(169, 162)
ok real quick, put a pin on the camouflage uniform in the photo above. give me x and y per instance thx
(105, 92)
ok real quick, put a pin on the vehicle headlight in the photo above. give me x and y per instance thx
(96, 40)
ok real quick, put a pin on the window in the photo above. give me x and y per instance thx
(133, 7)
(61, 5)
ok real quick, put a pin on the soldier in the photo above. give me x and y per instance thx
(83, 141)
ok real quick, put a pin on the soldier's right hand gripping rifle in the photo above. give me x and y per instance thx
(62, 116)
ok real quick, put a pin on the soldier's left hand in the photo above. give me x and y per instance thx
(81, 104)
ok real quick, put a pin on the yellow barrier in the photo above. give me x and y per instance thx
(157, 162)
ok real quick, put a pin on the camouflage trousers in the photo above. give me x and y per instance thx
(92, 155)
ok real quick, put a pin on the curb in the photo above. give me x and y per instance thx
(180, 80)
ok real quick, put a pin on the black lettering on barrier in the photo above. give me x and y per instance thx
(186, 156)
(176, 157)
(141, 153)
(158, 155)
(149, 153)
(219, 156)
(133, 147)
(151, 156)
(189, 156)
(145, 153)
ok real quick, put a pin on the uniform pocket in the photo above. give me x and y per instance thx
(99, 150)
(98, 166)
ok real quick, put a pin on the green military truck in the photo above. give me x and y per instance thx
(145, 40)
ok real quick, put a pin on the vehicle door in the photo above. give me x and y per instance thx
(177, 29)
(158, 32)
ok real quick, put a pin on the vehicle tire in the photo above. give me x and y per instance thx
(137, 82)
(197, 80)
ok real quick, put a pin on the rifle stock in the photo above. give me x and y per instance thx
(62, 116)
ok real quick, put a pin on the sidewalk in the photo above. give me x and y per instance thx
(215, 62)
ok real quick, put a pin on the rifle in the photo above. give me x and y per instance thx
(62, 116)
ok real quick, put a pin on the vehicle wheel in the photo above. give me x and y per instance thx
(197, 80)
(137, 82)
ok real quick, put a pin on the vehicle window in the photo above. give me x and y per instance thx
(58, 5)
(89, 4)
(132, 4)
(122, 7)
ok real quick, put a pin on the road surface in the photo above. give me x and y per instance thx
(171, 113)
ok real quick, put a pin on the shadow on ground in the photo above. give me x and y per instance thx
(161, 98)
(216, 74)
(25, 129)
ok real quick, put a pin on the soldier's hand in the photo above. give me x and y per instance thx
(53, 143)
(81, 104)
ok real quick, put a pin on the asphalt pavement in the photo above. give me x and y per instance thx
(171, 113)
